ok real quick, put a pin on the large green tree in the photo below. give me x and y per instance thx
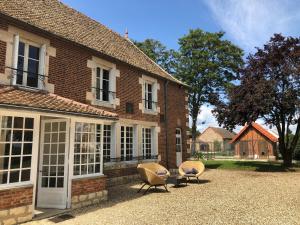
(269, 89)
(159, 53)
(208, 64)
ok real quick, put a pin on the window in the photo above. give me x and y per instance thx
(178, 140)
(126, 143)
(87, 149)
(148, 96)
(106, 143)
(16, 138)
(146, 142)
(102, 85)
(28, 65)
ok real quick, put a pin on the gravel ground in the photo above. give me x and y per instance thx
(223, 197)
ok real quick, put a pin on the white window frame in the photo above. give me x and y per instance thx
(178, 138)
(34, 149)
(125, 143)
(144, 143)
(80, 154)
(100, 80)
(144, 80)
(41, 68)
(105, 141)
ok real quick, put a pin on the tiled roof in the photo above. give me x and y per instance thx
(226, 134)
(41, 101)
(259, 128)
(61, 20)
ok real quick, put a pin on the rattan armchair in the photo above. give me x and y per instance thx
(149, 176)
(198, 165)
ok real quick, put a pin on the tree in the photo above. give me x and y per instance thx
(269, 89)
(158, 53)
(208, 64)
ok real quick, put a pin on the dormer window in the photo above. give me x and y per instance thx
(28, 65)
(102, 85)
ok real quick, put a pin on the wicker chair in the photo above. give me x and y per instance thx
(149, 176)
(198, 165)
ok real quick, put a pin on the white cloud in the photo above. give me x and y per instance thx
(251, 23)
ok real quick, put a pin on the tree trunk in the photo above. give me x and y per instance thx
(194, 131)
(287, 158)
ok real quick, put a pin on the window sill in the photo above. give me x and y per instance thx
(29, 88)
(91, 176)
(104, 104)
(15, 185)
(151, 112)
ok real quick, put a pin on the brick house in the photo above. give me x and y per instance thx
(214, 139)
(255, 142)
(80, 107)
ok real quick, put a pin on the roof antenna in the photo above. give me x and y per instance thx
(126, 33)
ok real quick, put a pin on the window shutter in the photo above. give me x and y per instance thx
(15, 59)
(42, 58)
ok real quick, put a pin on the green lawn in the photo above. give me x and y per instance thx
(248, 165)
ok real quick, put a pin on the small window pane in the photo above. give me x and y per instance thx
(16, 149)
(21, 48)
(5, 135)
(60, 182)
(27, 149)
(26, 162)
(4, 149)
(4, 163)
(29, 123)
(54, 127)
(62, 126)
(45, 182)
(14, 176)
(15, 162)
(61, 148)
(52, 182)
(25, 175)
(28, 135)
(3, 177)
(17, 135)
(34, 52)
(6, 122)
(18, 122)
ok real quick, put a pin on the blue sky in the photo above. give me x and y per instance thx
(247, 23)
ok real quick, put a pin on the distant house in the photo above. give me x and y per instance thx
(255, 142)
(215, 139)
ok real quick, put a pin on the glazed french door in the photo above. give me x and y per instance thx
(53, 165)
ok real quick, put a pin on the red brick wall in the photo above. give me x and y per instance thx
(2, 56)
(69, 73)
(120, 172)
(88, 185)
(15, 197)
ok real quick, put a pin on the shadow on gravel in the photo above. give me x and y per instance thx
(251, 166)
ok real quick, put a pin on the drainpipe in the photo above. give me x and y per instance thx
(166, 121)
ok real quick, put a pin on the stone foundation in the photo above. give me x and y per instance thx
(16, 215)
(88, 191)
(89, 199)
(16, 205)
(122, 180)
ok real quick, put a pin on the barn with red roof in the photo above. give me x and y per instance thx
(255, 142)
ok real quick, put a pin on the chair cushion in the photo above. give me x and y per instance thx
(161, 172)
(191, 171)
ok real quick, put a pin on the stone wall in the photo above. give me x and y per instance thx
(88, 191)
(16, 205)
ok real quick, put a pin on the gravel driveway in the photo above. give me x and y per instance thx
(223, 197)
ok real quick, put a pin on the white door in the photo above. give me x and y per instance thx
(53, 165)
(178, 147)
